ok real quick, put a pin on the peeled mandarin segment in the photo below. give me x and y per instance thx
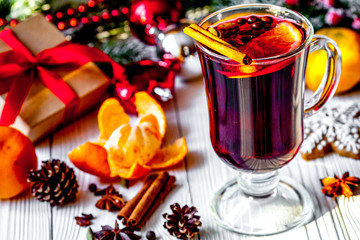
(136, 171)
(151, 142)
(143, 142)
(283, 38)
(129, 145)
(145, 104)
(111, 115)
(116, 145)
(150, 118)
(91, 158)
(170, 155)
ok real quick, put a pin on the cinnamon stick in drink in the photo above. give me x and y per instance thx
(147, 199)
(211, 41)
(126, 211)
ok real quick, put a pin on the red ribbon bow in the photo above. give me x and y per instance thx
(19, 68)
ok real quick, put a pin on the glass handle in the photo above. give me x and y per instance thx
(331, 78)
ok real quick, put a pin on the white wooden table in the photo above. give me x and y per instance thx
(200, 175)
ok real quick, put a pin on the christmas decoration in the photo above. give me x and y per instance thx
(108, 232)
(30, 61)
(182, 47)
(54, 183)
(150, 16)
(182, 223)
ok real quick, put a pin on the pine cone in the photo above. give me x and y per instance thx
(55, 183)
(183, 223)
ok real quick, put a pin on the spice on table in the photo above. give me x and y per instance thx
(92, 187)
(111, 201)
(334, 187)
(101, 192)
(90, 234)
(150, 235)
(85, 220)
(55, 183)
(107, 233)
(139, 209)
(182, 223)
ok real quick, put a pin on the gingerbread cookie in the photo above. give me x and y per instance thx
(332, 130)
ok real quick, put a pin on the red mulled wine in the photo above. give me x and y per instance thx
(256, 111)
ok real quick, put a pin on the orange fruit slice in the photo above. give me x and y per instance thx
(170, 155)
(91, 158)
(145, 105)
(111, 115)
(283, 38)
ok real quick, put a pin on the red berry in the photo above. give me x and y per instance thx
(333, 16)
(291, 2)
(356, 24)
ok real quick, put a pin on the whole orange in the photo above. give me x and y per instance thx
(349, 44)
(17, 157)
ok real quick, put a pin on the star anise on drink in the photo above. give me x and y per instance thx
(111, 201)
(334, 187)
(109, 233)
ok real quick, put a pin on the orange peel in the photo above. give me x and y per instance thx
(136, 171)
(170, 155)
(91, 158)
(145, 104)
(111, 115)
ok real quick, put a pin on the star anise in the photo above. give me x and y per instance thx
(111, 201)
(109, 233)
(334, 187)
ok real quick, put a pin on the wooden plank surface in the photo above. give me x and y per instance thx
(198, 177)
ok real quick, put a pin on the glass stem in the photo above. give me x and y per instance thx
(258, 184)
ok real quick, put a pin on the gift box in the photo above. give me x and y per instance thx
(48, 96)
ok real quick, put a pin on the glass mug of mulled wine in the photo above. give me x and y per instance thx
(256, 112)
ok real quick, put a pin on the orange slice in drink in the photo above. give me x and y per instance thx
(283, 38)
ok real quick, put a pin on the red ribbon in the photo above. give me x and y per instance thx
(19, 68)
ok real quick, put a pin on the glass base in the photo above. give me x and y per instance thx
(287, 207)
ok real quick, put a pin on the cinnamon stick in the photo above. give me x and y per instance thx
(147, 199)
(210, 40)
(126, 211)
(155, 204)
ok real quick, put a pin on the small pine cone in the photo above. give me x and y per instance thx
(55, 183)
(182, 224)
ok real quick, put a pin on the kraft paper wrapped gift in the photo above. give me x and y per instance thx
(42, 111)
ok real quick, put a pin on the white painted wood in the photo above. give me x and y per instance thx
(201, 174)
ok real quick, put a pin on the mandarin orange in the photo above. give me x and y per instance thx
(18, 156)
